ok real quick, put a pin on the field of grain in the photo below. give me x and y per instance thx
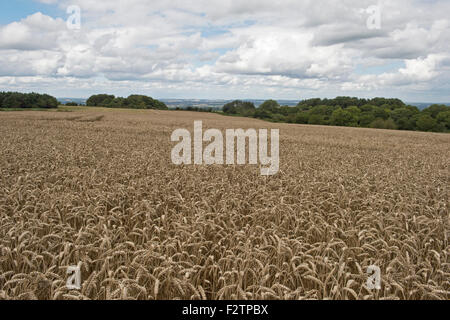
(98, 188)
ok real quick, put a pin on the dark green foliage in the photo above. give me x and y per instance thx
(240, 107)
(302, 117)
(383, 124)
(317, 119)
(132, 102)
(435, 109)
(27, 100)
(381, 112)
(197, 109)
(390, 124)
(352, 112)
(365, 119)
(443, 118)
(270, 106)
(305, 104)
(345, 102)
(99, 100)
(71, 104)
(426, 123)
(403, 117)
(344, 118)
(287, 111)
(263, 114)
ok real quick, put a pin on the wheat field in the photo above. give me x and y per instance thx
(97, 188)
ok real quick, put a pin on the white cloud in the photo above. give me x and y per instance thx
(35, 32)
(229, 46)
(284, 52)
(417, 73)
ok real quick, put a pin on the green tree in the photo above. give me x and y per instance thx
(12, 101)
(343, 118)
(317, 119)
(117, 103)
(27, 100)
(322, 114)
(137, 102)
(380, 123)
(435, 109)
(246, 109)
(286, 110)
(99, 100)
(426, 123)
(366, 118)
(230, 108)
(444, 119)
(133, 101)
(367, 108)
(405, 123)
(381, 113)
(354, 110)
(390, 124)
(306, 104)
(403, 117)
(262, 114)
(270, 106)
(240, 107)
(302, 117)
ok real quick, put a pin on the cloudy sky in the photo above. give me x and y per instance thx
(282, 49)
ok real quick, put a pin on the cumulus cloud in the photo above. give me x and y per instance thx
(284, 52)
(35, 32)
(231, 47)
(415, 74)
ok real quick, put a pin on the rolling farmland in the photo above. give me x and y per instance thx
(97, 187)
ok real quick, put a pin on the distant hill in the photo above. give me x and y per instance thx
(81, 101)
(205, 103)
(218, 103)
(211, 103)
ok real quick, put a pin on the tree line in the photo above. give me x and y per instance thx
(10, 100)
(342, 111)
(379, 113)
(132, 102)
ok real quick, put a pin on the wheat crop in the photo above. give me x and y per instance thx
(97, 188)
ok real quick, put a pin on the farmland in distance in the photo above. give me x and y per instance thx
(98, 187)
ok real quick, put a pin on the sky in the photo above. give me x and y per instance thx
(227, 49)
